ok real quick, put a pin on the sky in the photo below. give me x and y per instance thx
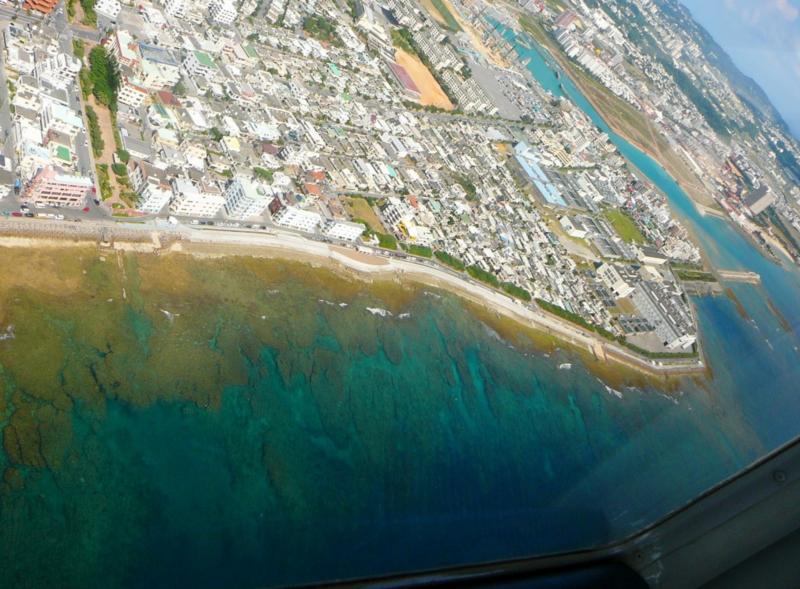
(763, 39)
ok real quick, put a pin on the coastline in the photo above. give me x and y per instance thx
(208, 243)
(610, 118)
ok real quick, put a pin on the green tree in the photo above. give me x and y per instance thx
(104, 76)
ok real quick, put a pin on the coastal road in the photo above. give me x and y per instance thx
(375, 262)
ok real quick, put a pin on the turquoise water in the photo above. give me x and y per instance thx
(272, 430)
(222, 449)
(741, 352)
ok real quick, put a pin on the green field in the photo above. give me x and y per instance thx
(694, 275)
(418, 250)
(624, 226)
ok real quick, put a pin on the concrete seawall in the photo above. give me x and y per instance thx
(149, 237)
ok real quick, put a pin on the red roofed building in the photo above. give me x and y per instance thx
(167, 98)
(405, 81)
(43, 6)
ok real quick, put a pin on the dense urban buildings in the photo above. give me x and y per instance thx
(396, 129)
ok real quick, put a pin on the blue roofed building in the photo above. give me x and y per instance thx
(527, 158)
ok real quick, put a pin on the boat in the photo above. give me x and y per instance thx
(565, 366)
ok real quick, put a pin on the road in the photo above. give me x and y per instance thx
(66, 32)
(65, 37)
(7, 139)
(423, 270)
(19, 16)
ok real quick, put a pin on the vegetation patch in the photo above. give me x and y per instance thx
(449, 260)
(89, 15)
(387, 241)
(418, 250)
(361, 211)
(696, 275)
(402, 39)
(263, 173)
(479, 273)
(104, 76)
(78, 48)
(95, 134)
(515, 291)
(624, 226)
(104, 181)
(321, 29)
(465, 183)
(119, 169)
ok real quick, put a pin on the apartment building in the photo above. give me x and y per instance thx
(51, 186)
(245, 199)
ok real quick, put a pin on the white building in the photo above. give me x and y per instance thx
(222, 12)
(58, 70)
(188, 200)
(158, 69)
(56, 117)
(614, 281)
(175, 8)
(132, 93)
(573, 227)
(200, 63)
(245, 199)
(397, 211)
(153, 196)
(344, 230)
(299, 219)
(108, 8)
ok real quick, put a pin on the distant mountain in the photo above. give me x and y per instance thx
(744, 86)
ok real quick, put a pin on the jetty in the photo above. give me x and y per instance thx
(739, 276)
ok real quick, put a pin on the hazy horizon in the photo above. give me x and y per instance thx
(763, 39)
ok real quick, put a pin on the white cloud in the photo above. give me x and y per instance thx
(789, 11)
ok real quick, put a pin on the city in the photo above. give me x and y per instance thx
(403, 131)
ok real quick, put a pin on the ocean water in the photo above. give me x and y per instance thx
(751, 337)
(241, 422)
(171, 421)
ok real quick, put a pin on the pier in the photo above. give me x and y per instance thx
(739, 276)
